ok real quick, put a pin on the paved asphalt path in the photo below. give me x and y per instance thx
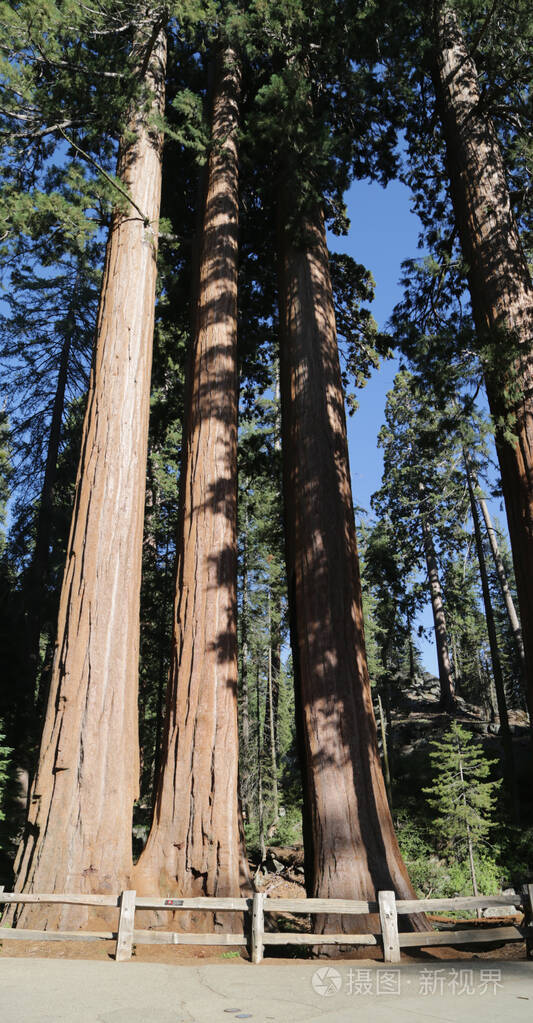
(85, 991)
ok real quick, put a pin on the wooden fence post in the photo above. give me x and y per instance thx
(258, 927)
(529, 920)
(389, 926)
(125, 926)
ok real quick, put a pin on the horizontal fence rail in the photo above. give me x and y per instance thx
(387, 908)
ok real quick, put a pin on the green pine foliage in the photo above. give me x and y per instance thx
(469, 646)
(50, 308)
(462, 793)
(434, 319)
(421, 477)
(511, 666)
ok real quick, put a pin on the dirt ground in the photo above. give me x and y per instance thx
(187, 955)
(289, 886)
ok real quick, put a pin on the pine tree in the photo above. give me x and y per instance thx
(508, 757)
(414, 502)
(510, 652)
(5, 475)
(265, 739)
(503, 575)
(499, 280)
(466, 148)
(46, 341)
(461, 795)
(4, 759)
(467, 627)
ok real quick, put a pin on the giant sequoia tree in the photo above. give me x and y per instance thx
(78, 833)
(305, 111)
(351, 847)
(194, 846)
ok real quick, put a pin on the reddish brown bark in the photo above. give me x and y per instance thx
(78, 834)
(350, 845)
(500, 288)
(194, 846)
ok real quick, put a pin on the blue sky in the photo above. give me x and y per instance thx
(384, 231)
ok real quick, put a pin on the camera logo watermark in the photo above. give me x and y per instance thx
(326, 981)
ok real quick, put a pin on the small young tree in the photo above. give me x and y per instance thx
(4, 759)
(461, 794)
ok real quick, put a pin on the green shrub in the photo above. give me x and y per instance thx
(423, 866)
(517, 856)
(435, 877)
(289, 828)
(457, 879)
(288, 831)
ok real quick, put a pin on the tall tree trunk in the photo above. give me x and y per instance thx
(276, 632)
(500, 288)
(505, 732)
(456, 663)
(514, 621)
(447, 693)
(385, 748)
(245, 697)
(162, 672)
(487, 689)
(269, 716)
(350, 845)
(469, 844)
(78, 834)
(411, 648)
(260, 749)
(195, 845)
(275, 653)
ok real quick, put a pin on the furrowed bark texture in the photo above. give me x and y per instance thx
(78, 834)
(194, 847)
(350, 845)
(500, 289)
(447, 692)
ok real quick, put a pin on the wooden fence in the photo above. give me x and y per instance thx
(388, 908)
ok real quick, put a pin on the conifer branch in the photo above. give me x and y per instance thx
(94, 163)
(43, 59)
(37, 133)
